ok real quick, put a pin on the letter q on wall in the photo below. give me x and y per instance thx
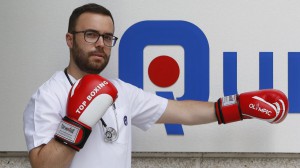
(182, 33)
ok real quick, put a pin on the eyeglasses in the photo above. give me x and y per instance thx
(92, 36)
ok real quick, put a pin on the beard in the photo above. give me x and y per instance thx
(85, 64)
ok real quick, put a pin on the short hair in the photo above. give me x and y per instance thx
(91, 8)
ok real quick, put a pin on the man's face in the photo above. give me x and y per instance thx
(91, 57)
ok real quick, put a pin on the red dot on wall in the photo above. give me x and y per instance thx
(163, 71)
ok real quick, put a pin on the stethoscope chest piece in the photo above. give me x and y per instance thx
(111, 135)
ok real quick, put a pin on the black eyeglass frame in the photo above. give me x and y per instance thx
(114, 38)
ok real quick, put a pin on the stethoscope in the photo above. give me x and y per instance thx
(110, 134)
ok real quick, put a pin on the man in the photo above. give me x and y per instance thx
(103, 139)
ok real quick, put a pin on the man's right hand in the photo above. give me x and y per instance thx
(88, 100)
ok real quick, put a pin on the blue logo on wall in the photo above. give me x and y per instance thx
(196, 64)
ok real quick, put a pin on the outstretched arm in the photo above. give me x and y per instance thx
(270, 105)
(188, 112)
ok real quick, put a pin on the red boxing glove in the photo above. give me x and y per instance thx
(270, 105)
(88, 100)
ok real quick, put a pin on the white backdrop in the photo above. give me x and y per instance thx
(33, 47)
